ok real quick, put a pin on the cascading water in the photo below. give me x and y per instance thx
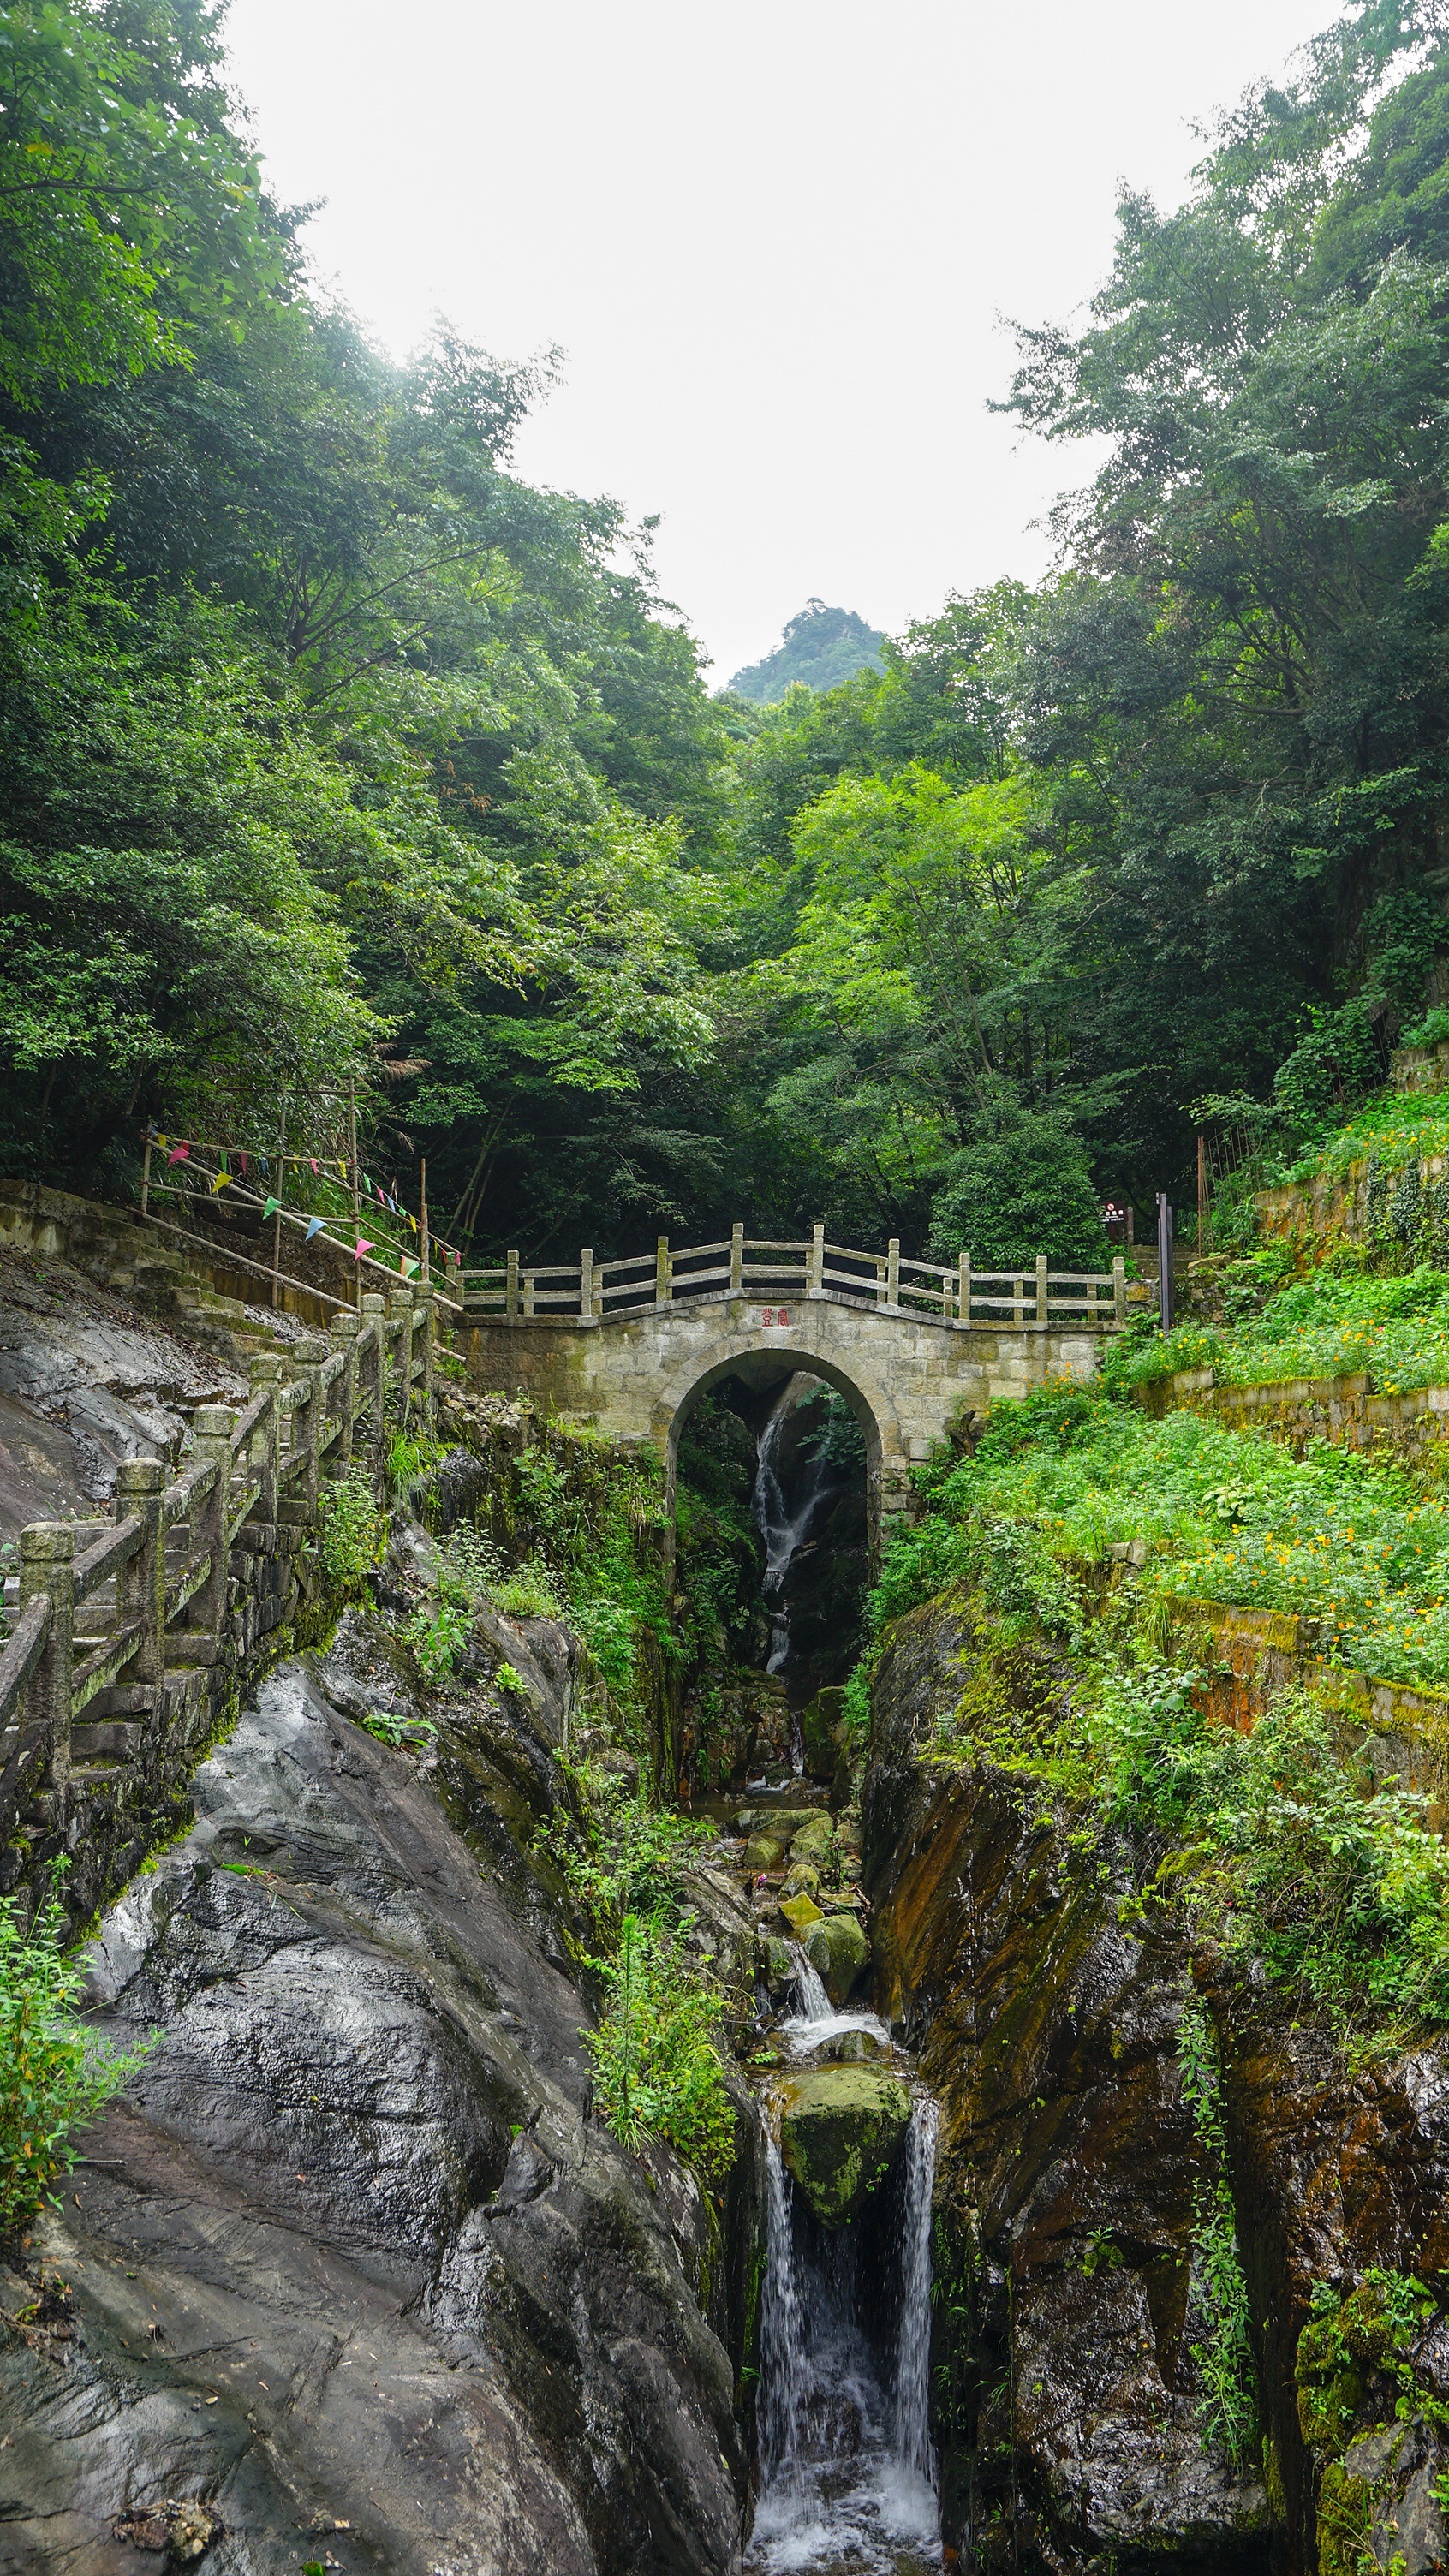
(784, 1530)
(911, 2427)
(846, 2470)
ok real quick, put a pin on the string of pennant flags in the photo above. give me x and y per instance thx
(247, 1170)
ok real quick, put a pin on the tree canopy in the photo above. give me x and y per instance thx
(336, 754)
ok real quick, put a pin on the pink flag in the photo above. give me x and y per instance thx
(178, 1154)
(361, 1248)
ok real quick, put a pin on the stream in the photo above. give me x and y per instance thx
(847, 2473)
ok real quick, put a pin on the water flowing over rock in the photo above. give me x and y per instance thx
(839, 2130)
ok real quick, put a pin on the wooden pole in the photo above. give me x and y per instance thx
(1202, 1197)
(146, 1174)
(352, 1169)
(277, 1219)
(423, 1210)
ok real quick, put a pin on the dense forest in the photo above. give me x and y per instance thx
(335, 755)
(821, 647)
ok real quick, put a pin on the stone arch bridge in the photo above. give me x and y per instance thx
(913, 1346)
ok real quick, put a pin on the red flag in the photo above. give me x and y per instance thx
(178, 1154)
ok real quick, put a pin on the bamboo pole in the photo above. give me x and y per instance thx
(423, 1211)
(146, 1173)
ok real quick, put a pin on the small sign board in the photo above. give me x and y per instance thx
(774, 1315)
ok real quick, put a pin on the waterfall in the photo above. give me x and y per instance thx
(846, 2470)
(913, 2346)
(784, 1531)
(814, 2001)
(782, 2371)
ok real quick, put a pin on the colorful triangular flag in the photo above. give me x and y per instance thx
(179, 1154)
(315, 1227)
(361, 1248)
(272, 1208)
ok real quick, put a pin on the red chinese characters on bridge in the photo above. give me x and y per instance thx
(774, 1314)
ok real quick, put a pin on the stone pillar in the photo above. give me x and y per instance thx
(141, 1585)
(308, 1357)
(662, 1282)
(737, 1260)
(815, 1284)
(345, 1328)
(47, 1564)
(265, 1445)
(211, 1428)
(1041, 1290)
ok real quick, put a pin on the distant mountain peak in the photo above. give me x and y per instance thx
(821, 646)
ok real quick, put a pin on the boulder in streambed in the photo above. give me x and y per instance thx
(800, 1912)
(839, 2131)
(762, 1851)
(837, 1951)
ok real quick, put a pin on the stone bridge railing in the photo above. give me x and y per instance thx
(129, 1636)
(589, 1291)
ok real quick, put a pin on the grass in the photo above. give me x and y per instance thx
(1394, 1331)
(1223, 1516)
(1398, 1128)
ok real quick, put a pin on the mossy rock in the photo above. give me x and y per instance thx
(820, 1733)
(801, 1880)
(839, 2133)
(762, 1851)
(801, 1913)
(814, 1841)
(837, 1950)
(779, 1967)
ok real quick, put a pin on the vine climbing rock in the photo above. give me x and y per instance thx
(839, 2132)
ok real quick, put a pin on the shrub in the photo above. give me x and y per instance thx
(1022, 1186)
(437, 1631)
(54, 2075)
(350, 1531)
(656, 2069)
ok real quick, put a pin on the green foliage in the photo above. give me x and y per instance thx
(620, 1854)
(1394, 1330)
(409, 1455)
(350, 1531)
(820, 648)
(1221, 1516)
(1228, 2407)
(656, 2069)
(54, 2076)
(411, 1734)
(1021, 1187)
(437, 1630)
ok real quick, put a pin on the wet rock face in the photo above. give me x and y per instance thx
(1070, 2296)
(1067, 2304)
(837, 1951)
(1341, 2177)
(351, 2256)
(839, 2132)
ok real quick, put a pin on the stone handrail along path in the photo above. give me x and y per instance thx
(132, 1635)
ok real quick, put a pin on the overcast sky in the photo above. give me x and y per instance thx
(773, 242)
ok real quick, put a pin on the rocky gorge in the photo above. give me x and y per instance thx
(1038, 2232)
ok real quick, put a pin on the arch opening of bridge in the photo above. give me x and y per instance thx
(770, 1370)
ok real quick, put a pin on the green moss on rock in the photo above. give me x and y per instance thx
(837, 1951)
(839, 2132)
